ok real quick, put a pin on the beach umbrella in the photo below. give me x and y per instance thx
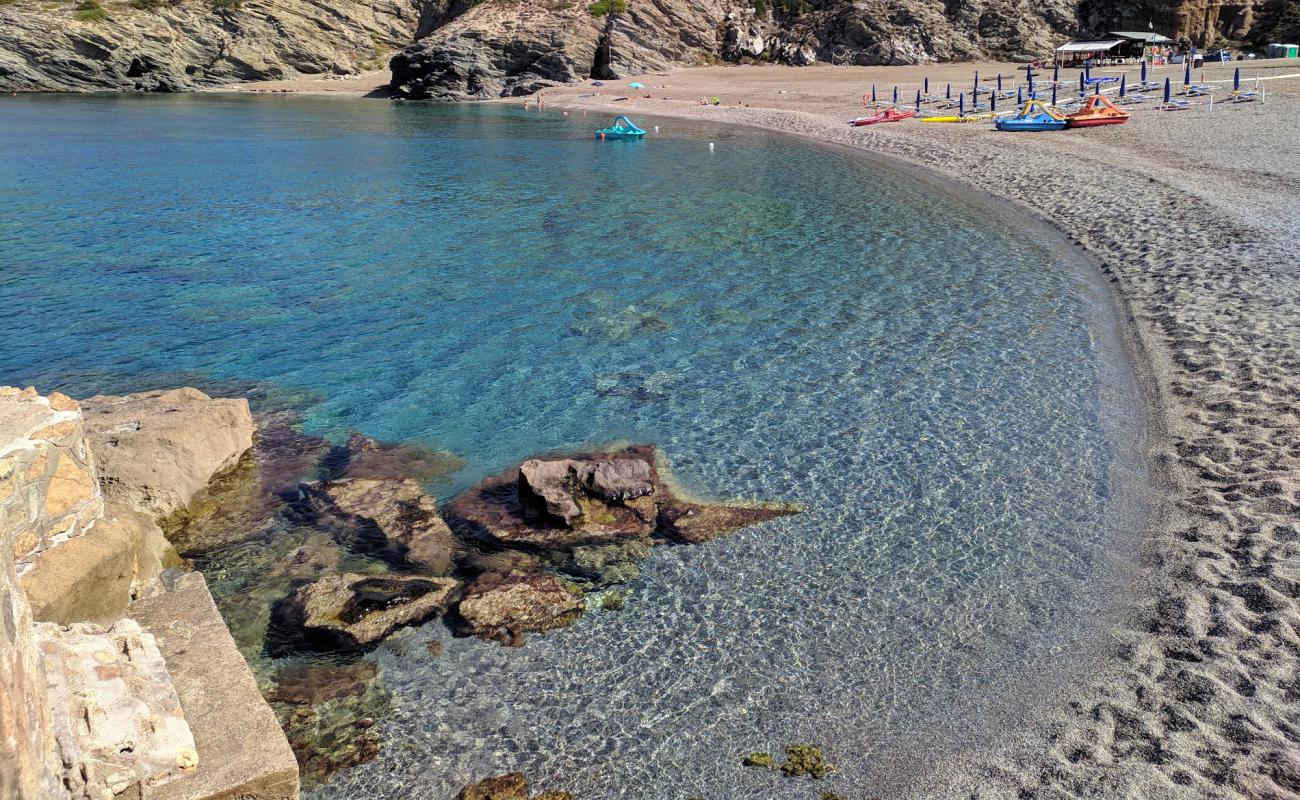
(1053, 94)
(1031, 84)
(1144, 70)
(1083, 83)
(977, 80)
(1020, 95)
(873, 93)
(961, 105)
(1123, 85)
(895, 95)
(1187, 73)
(993, 101)
(1096, 89)
(636, 85)
(1236, 80)
(1167, 90)
(947, 93)
(1087, 69)
(999, 81)
(1056, 73)
(927, 85)
(918, 101)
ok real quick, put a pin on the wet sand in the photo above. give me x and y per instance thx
(1194, 217)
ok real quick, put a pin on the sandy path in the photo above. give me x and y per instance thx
(1195, 218)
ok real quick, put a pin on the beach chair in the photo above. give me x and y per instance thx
(1245, 96)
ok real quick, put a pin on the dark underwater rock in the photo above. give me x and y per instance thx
(392, 516)
(351, 611)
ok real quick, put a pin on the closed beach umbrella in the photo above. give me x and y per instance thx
(1123, 85)
(947, 93)
(1096, 89)
(927, 85)
(993, 101)
(895, 95)
(1053, 94)
(1187, 73)
(918, 101)
(999, 81)
(1056, 73)
(1083, 83)
(1031, 84)
(977, 80)
(1167, 88)
(1087, 69)
(961, 105)
(873, 93)
(1236, 79)
(1144, 70)
(1020, 95)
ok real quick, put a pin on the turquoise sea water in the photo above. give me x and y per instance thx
(936, 381)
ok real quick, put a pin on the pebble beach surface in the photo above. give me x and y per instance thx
(1194, 217)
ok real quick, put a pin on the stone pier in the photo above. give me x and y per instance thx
(115, 683)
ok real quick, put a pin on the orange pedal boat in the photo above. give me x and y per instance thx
(1099, 110)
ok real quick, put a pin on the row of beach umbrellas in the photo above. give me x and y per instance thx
(1084, 80)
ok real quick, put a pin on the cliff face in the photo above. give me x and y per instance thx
(457, 49)
(192, 44)
(1203, 22)
(503, 47)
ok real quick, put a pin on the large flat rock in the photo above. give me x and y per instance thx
(157, 451)
(243, 752)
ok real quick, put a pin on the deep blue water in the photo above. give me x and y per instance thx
(934, 378)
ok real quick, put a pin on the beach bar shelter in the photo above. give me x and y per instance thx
(1072, 54)
(1149, 46)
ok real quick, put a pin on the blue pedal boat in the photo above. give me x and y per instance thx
(1035, 116)
(623, 128)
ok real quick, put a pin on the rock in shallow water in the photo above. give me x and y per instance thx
(393, 516)
(505, 607)
(351, 611)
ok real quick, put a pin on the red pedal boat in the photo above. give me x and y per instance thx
(1098, 111)
(888, 115)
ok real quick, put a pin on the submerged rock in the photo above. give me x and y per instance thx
(505, 607)
(394, 517)
(693, 523)
(506, 787)
(502, 787)
(245, 501)
(328, 713)
(351, 611)
(364, 457)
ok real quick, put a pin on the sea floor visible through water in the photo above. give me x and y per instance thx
(938, 381)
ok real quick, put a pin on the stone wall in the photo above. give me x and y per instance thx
(48, 491)
(38, 438)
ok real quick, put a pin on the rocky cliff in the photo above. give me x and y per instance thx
(160, 46)
(460, 49)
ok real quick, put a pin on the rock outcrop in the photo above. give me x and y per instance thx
(153, 46)
(351, 611)
(158, 451)
(506, 787)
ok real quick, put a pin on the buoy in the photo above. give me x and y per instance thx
(710, 146)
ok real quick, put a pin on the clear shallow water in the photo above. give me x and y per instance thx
(939, 387)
